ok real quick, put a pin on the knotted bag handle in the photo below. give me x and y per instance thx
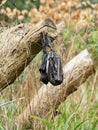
(45, 41)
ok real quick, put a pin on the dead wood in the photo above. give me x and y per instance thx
(18, 46)
(48, 97)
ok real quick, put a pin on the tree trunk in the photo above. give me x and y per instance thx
(75, 73)
(18, 46)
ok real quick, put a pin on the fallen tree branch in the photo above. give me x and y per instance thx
(18, 46)
(75, 73)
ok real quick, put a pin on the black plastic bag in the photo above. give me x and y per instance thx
(51, 68)
(54, 68)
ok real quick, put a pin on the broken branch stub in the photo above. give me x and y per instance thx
(18, 46)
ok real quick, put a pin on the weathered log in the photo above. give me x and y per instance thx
(75, 73)
(18, 46)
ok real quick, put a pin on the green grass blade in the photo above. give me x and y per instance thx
(1, 128)
(94, 125)
(44, 121)
(81, 123)
(68, 121)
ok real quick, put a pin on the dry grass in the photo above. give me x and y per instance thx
(78, 107)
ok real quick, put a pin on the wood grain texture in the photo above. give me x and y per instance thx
(49, 97)
(18, 46)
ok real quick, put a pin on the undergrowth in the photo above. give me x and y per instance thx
(74, 116)
(78, 112)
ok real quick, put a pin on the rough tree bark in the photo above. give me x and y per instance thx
(75, 73)
(18, 46)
